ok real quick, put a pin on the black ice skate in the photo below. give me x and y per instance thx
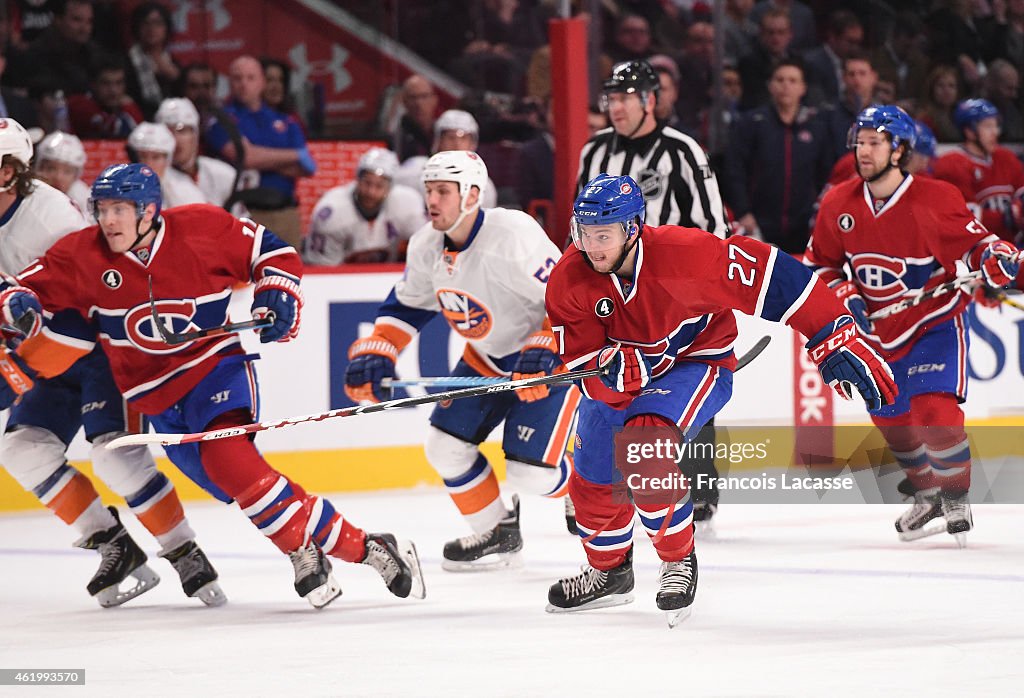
(912, 525)
(570, 516)
(593, 588)
(705, 506)
(397, 563)
(198, 578)
(492, 549)
(957, 512)
(121, 558)
(677, 587)
(313, 579)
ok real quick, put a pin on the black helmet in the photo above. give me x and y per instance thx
(632, 76)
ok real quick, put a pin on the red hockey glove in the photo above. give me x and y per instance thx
(846, 362)
(22, 314)
(999, 264)
(629, 371)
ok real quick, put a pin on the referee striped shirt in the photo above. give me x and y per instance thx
(672, 170)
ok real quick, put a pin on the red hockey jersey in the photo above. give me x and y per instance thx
(986, 183)
(679, 304)
(912, 241)
(200, 254)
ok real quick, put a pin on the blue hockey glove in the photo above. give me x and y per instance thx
(629, 371)
(17, 378)
(849, 294)
(280, 299)
(845, 362)
(371, 360)
(539, 357)
(22, 315)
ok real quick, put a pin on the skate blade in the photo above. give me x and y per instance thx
(609, 601)
(112, 596)
(677, 616)
(211, 594)
(918, 534)
(961, 539)
(488, 563)
(408, 552)
(325, 593)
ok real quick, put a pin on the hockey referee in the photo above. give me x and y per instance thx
(678, 184)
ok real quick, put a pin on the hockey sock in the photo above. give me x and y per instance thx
(72, 497)
(334, 534)
(905, 443)
(941, 424)
(604, 519)
(475, 493)
(159, 509)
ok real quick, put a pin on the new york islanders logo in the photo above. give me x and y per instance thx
(880, 277)
(467, 316)
(175, 314)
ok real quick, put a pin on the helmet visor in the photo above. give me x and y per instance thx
(598, 238)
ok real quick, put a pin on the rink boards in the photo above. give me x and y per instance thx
(383, 450)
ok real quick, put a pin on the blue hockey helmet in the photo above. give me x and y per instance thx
(888, 119)
(128, 182)
(607, 200)
(970, 111)
(925, 139)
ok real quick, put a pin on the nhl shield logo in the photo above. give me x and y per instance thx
(604, 307)
(112, 278)
(845, 222)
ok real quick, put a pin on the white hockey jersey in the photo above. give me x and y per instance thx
(491, 292)
(178, 189)
(33, 223)
(410, 173)
(80, 193)
(339, 233)
(215, 179)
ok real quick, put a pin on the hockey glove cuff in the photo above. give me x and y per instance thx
(371, 360)
(846, 362)
(280, 299)
(539, 357)
(849, 294)
(17, 378)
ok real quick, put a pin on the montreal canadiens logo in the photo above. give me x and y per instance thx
(845, 222)
(112, 278)
(466, 315)
(880, 277)
(624, 188)
(145, 171)
(175, 314)
(604, 307)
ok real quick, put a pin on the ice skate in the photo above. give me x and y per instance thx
(677, 588)
(198, 577)
(121, 558)
(703, 518)
(912, 525)
(489, 550)
(957, 511)
(397, 563)
(593, 588)
(313, 579)
(570, 516)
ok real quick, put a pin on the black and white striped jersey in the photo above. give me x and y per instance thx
(672, 170)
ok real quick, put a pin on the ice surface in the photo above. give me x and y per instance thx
(792, 600)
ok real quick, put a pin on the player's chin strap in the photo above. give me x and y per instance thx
(626, 249)
(154, 227)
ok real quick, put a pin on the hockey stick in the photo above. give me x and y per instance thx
(1005, 298)
(915, 299)
(172, 338)
(175, 439)
(466, 381)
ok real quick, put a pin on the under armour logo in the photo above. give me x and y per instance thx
(525, 432)
(222, 396)
(221, 17)
(335, 67)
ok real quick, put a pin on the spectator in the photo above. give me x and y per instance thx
(668, 76)
(367, 221)
(632, 39)
(801, 21)
(901, 60)
(536, 179)
(199, 85)
(152, 72)
(153, 145)
(1002, 88)
(778, 160)
(273, 145)
(858, 91)
(1009, 32)
(43, 91)
(13, 104)
(738, 29)
(28, 19)
(64, 51)
(960, 39)
(843, 37)
(941, 94)
(695, 78)
(215, 178)
(416, 128)
(495, 58)
(59, 160)
(277, 94)
(106, 111)
(773, 45)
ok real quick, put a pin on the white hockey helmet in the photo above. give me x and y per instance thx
(62, 147)
(456, 120)
(379, 161)
(176, 112)
(152, 138)
(462, 166)
(14, 140)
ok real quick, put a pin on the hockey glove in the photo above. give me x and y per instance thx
(846, 362)
(371, 360)
(539, 357)
(629, 371)
(280, 299)
(22, 315)
(988, 297)
(999, 264)
(848, 293)
(17, 378)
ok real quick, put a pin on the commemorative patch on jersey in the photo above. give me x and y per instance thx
(466, 315)
(112, 278)
(845, 222)
(604, 307)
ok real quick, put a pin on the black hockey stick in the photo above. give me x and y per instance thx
(172, 338)
(753, 352)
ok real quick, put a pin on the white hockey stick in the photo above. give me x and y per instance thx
(175, 439)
